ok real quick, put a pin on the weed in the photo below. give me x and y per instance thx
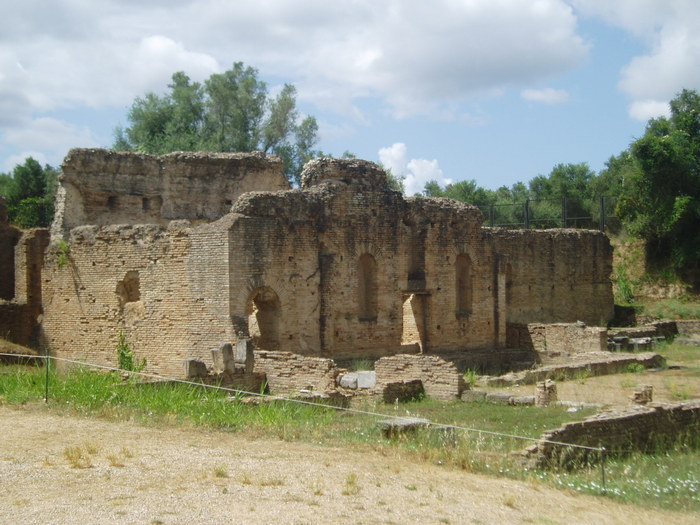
(509, 501)
(679, 391)
(115, 460)
(470, 377)
(635, 368)
(62, 253)
(220, 471)
(359, 365)
(623, 286)
(78, 457)
(126, 357)
(410, 487)
(627, 382)
(351, 486)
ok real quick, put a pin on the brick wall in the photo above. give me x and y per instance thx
(164, 315)
(289, 373)
(557, 337)
(104, 187)
(637, 428)
(440, 378)
(554, 276)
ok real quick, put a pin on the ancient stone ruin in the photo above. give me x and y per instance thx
(186, 252)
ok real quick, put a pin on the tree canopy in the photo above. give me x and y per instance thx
(29, 193)
(660, 199)
(230, 112)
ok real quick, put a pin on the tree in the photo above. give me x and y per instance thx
(661, 190)
(230, 112)
(29, 193)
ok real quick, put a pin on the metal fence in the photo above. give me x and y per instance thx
(592, 213)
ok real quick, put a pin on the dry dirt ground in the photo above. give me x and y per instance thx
(143, 475)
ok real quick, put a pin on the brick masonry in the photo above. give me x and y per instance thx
(621, 431)
(342, 268)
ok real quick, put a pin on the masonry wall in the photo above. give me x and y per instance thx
(555, 276)
(639, 428)
(104, 187)
(8, 239)
(441, 379)
(21, 308)
(135, 280)
(289, 373)
(558, 337)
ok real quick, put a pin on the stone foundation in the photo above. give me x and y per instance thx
(441, 379)
(637, 428)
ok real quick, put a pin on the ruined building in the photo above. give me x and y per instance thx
(186, 251)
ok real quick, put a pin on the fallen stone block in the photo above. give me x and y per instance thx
(348, 380)
(195, 369)
(366, 379)
(395, 427)
(522, 400)
(473, 395)
(498, 398)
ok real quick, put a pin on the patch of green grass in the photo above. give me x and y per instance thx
(674, 309)
(359, 365)
(669, 480)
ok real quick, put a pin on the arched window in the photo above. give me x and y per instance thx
(463, 284)
(367, 287)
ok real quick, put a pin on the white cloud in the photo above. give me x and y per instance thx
(47, 140)
(670, 30)
(546, 96)
(643, 110)
(415, 172)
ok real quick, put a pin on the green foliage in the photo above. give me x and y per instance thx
(470, 377)
(660, 201)
(62, 253)
(230, 112)
(125, 356)
(623, 286)
(29, 193)
(674, 309)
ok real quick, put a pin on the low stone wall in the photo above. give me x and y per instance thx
(441, 379)
(289, 373)
(557, 337)
(688, 327)
(605, 364)
(636, 428)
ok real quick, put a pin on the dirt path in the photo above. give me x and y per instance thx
(179, 475)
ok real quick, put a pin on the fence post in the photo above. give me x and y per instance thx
(527, 213)
(602, 213)
(46, 378)
(563, 211)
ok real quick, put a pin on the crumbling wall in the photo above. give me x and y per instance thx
(554, 276)
(21, 254)
(105, 187)
(440, 378)
(8, 239)
(360, 271)
(288, 373)
(558, 337)
(637, 428)
(135, 280)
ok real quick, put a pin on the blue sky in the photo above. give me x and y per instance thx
(493, 90)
